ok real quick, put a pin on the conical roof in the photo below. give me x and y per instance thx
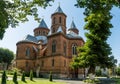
(43, 24)
(73, 26)
(58, 10)
(60, 29)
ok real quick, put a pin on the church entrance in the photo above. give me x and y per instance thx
(75, 73)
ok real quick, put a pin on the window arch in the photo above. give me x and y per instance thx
(54, 46)
(74, 49)
(28, 52)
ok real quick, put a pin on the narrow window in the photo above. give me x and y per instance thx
(28, 52)
(59, 19)
(52, 62)
(74, 49)
(53, 46)
(43, 32)
(64, 49)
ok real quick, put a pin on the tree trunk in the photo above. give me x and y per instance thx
(91, 70)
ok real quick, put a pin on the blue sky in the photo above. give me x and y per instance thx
(13, 35)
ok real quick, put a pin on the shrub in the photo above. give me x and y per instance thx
(31, 75)
(3, 81)
(98, 72)
(15, 77)
(118, 71)
(23, 76)
(50, 77)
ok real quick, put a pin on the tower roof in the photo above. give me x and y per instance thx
(59, 29)
(43, 24)
(58, 10)
(73, 26)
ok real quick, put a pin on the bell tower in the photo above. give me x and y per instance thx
(58, 19)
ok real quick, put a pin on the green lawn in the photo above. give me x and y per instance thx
(36, 81)
(117, 80)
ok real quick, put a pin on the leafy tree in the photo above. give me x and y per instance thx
(14, 11)
(23, 77)
(96, 50)
(50, 77)
(118, 71)
(31, 75)
(15, 77)
(6, 56)
(3, 81)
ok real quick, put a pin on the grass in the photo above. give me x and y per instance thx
(35, 81)
(117, 80)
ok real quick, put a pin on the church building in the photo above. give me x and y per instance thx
(50, 49)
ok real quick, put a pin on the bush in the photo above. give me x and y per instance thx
(4, 77)
(15, 77)
(23, 77)
(98, 72)
(31, 75)
(118, 71)
(50, 77)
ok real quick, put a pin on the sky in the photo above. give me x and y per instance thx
(13, 35)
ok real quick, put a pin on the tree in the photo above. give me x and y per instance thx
(14, 11)
(31, 75)
(96, 51)
(6, 56)
(3, 81)
(50, 76)
(15, 77)
(118, 71)
(23, 77)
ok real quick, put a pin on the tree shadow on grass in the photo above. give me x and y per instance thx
(16, 82)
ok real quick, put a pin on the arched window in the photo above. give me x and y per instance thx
(54, 46)
(74, 49)
(64, 47)
(28, 52)
(59, 19)
(53, 62)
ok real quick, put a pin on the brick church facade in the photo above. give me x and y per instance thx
(50, 49)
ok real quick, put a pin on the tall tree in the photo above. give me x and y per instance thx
(14, 11)
(96, 50)
(6, 56)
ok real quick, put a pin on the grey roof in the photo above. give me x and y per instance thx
(30, 38)
(59, 29)
(73, 25)
(71, 34)
(58, 10)
(43, 38)
(43, 24)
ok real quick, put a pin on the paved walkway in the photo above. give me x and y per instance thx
(103, 81)
(71, 81)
